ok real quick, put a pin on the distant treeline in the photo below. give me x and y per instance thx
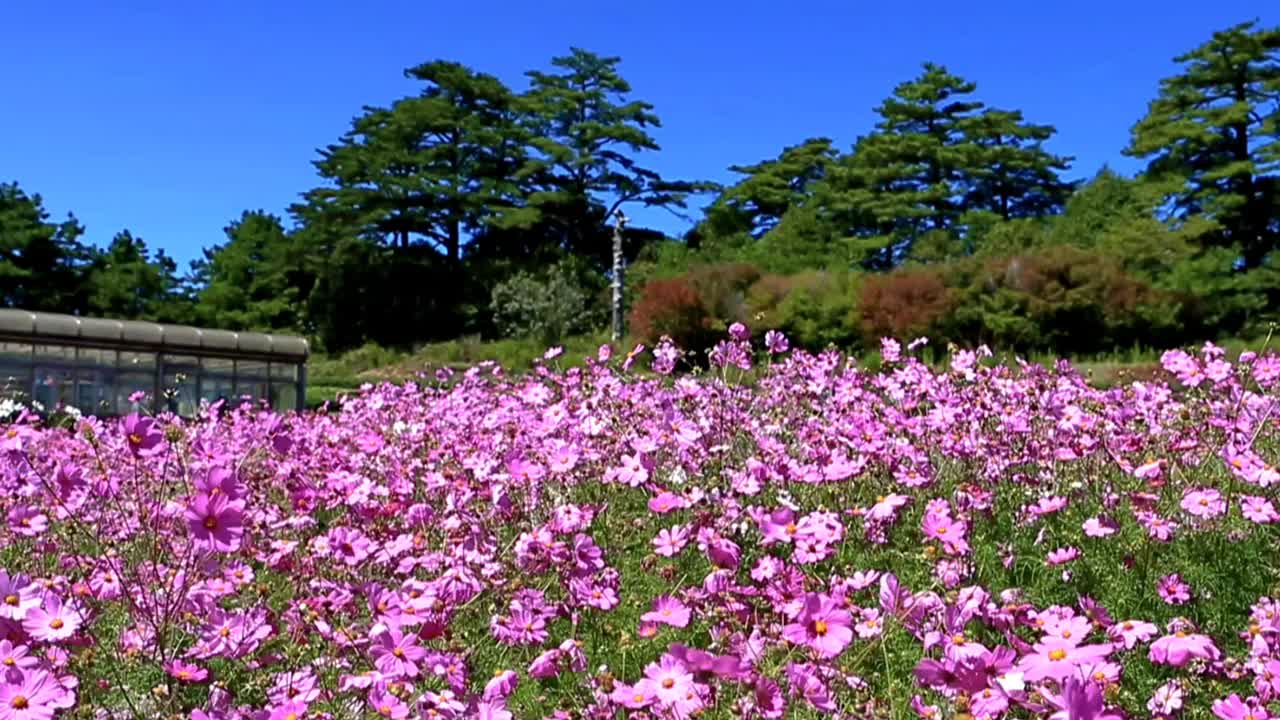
(472, 208)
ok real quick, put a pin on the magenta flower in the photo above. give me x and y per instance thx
(1062, 556)
(668, 610)
(185, 672)
(633, 697)
(776, 342)
(215, 522)
(389, 706)
(1173, 590)
(1131, 632)
(141, 434)
(939, 526)
(666, 502)
(31, 695)
(671, 541)
(396, 654)
(668, 681)
(291, 710)
(52, 621)
(822, 626)
(1233, 708)
(1181, 647)
(1098, 527)
(17, 596)
(1204, 503)
(16, 656)
(886, 506)
(1258, 509)
(27, 521)
(1056, 658)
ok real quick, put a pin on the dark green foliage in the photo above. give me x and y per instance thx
(42, 263)
(125, 281)
(254, 279)
(1215, 127)
(585, 133)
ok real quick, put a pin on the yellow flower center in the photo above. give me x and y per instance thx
(637, 698)
(56, 623)
(211, 523)
(942, 530)
(820, 628)
(959, 639)
(10, 599)
(135, 439)
(668, 683)
(791, 528)
(19, 702)
(1057, 654)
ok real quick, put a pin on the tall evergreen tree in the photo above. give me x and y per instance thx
(430, 168)
(125, 281)
(1009, 173)
(42, 263)
(1216, 127)
(252, 278)
(755, 204)
(586, 133)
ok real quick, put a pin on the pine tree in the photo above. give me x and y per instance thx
(1216, 127)
(586, 133)
(42, 263)
(755, 204)
(431, 168)
(1008, 172)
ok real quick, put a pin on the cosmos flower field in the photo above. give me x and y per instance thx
(778, 535)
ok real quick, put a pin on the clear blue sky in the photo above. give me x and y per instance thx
(170, 118)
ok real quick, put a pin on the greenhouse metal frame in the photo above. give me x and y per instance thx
(97, 365)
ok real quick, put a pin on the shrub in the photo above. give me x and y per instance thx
(905, 303)
(548, 306)
(671, 307)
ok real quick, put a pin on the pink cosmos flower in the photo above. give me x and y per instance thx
(775, 342)
(52, 621)
(396, 654)
(633, 697)
(185, 672)
(1204, 503)
(17, 596)
(1181, 647)
(1233, 708)
(671, 541)
(1131, 632)
(886, 506)
(1258, 509)
(1166, 700)
(939, 526)
(27, 521)
(216, 522)
(31, 695)
(668, 681)
(16, 656)
(666, 502)
(822, 625)
(1062, 556)
(386, 705)
(1056, 659)
(668, 610)
(1173, 590)
(288, 711)
(1098, 527)
(141, 434)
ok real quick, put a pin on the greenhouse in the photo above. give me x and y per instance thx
(99, 366)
